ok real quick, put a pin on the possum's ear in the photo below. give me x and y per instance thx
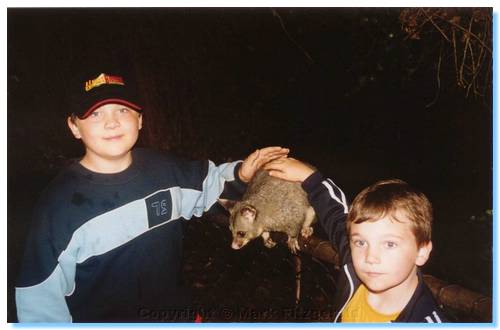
(248, 213)
(227, 203)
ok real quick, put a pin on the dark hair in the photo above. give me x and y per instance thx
(73, 118)
(387, 198)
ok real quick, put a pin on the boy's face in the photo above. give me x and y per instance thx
(386, 255)
(109, 132)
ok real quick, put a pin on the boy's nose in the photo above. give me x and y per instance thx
(111, 122)
(372, 256)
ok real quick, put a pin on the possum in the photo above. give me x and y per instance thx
(270, 204)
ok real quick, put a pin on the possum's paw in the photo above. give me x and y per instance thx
(306, 232)
(268, 241)
(293, 244)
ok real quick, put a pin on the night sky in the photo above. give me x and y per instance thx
(342, 87)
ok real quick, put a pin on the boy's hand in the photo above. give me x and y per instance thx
(258, 158)
(289, 169)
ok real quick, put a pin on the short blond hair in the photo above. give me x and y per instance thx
(388, 197)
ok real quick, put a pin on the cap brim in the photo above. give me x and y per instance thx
(109, 101)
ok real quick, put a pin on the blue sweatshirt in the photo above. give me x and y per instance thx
(108, 247)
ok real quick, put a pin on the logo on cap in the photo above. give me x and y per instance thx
(103, 79)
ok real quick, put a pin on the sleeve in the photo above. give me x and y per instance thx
(44, 281)
(234, 188)
(331, 208)
(216, 181)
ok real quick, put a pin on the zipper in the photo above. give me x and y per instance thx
(351, 292)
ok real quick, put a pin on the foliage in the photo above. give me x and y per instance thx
(466, 40)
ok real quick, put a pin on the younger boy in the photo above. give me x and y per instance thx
(382, 241)
(106, 242)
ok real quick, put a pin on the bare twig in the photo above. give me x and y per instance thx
(471, 34)
(455, 56)
(479, 63)
(298, 275)
(437, 78)
(436, 26)
(417, 30)
(306, 54)
(489, 73)
(480, 60)
(467, 40)
(469, 62)
(473, 73)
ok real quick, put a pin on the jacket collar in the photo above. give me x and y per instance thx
(421, 306)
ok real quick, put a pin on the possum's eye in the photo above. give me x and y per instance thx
(241, 234)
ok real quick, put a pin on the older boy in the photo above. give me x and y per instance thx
(106, 243)
(382, 241)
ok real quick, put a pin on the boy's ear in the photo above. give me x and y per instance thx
(227, 203)
(424, 251)
(74, 128)
(140, 121)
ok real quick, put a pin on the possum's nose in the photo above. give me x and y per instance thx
(237, 245)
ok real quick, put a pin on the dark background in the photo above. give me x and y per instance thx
(344, 88)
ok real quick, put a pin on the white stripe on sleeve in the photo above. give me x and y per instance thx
(329, 185)
(436, 317)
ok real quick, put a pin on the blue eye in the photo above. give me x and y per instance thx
(390, 245)
(94, 114)
(124, 110)
(359, 243)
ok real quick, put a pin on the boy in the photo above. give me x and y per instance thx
(106, 243)
(381, 241)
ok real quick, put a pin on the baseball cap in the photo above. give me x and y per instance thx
(91, 92)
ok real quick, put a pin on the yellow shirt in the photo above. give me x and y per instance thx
(358, 310)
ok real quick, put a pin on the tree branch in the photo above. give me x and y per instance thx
(436, 26)
(438, 78)
(309, 58)
(470, 33)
